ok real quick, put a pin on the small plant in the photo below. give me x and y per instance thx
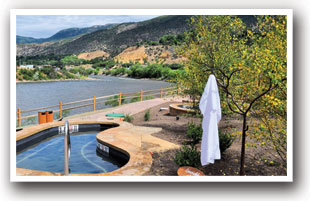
(187, 156)
(194, 132)
(65, 113)
(128, 118)
(226, 141)
(114, 100)
(135, 98)
(148, 97)
(147, 115)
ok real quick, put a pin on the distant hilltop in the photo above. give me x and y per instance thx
(112, 39)
(63, 34)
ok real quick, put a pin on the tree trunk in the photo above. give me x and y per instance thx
(242, 161)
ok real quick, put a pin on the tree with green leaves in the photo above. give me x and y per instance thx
(248, 62)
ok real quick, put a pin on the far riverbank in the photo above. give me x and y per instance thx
(55, 80)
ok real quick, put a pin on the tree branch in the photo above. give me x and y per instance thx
(262, 94)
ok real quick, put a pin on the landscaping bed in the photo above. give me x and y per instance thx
(259, 161)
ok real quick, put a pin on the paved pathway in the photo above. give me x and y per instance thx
(132, 108)
(137, 135)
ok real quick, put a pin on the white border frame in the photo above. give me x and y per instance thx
(288, 12)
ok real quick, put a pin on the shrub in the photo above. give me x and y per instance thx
(113, 72)
(128, 72)
(187, 156)
(135, 98)
(90, 71)
(128, 118)
(114, 100)
(65, 113)
(72, 70)
(166, 72)
(147, 115)
(107, 72)
(148, 97)
(194, 132)
(26, 77)
(72, 60)
(226, 141)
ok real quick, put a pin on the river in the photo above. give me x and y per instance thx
(41, 94)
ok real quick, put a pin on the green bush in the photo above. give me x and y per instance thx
(187, 156)
(149, 71)
(148, 97)
(128, 72)
(107, 72)
(114, 100)
(113, 72)
(194, 132)
(147, 115)
(165, 72)
(153, 71)
(128, 118)
(226, 141)
(135, 98)
(90, 71)
(74, 70)
(26, 77)
(72, 60)
(65, 113)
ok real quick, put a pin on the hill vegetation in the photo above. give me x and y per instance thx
(63, 34)
(114, 39)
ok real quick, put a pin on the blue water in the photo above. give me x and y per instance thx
(43, 94)
(49, 156)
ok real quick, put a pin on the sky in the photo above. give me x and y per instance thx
(44, 26)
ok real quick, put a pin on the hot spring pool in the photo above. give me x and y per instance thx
(87, 156)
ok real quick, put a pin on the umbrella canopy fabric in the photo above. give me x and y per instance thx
(210, 107)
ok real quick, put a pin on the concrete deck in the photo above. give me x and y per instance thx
(131, 108)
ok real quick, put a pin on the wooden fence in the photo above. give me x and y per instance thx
(96, 100)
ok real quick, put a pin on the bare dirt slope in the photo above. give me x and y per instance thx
(150, 54)
(92, 55)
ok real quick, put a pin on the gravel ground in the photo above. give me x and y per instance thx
(174, 130)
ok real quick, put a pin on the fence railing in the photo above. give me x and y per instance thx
(120, 99)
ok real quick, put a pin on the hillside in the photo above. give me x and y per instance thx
(63, 34)
(113, 40)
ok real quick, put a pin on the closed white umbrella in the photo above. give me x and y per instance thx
(210, 107)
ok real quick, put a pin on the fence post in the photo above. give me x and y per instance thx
(141, 95)
(94, 104)
(120, 99)
(60, 109)
(19, 118)
(161, 92)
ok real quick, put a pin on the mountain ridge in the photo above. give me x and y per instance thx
(112, 40)
(63, 34)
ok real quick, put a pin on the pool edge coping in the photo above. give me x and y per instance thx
(139, 163)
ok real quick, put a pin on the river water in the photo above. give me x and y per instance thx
(42, 94)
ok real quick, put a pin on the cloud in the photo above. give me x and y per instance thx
(43, 26)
